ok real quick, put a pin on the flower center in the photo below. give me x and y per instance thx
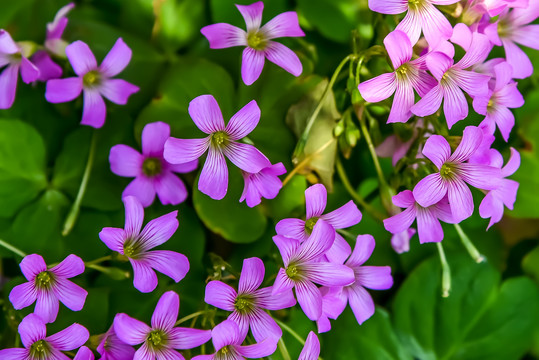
(91, 79)
(448, 171)
(44, 280)
(156, 339)
(226, 352)
(310, 223)
(244, 304)
(132, 248)
(415, 4)
(152, 167)
(256, 40)
(39, 350)
(402, 71)
(293, 272)
(504, 29)
(219, 139)
(16, 58)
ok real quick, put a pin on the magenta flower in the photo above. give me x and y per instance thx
(49, 286)
(159, 340)
(512, 28)
(39, 346)
(422, 15)
(153, 174)
(112, 348)
(453, 78)
(84, 353)
(263, 184)
(394, 148)
(222, 141)
(248, 303)
(13, 58)
(95, 82)
(135, 245)
(315, 203)
(311, 349)
(408, 75)
(496, 103)
(227, 340)
(454, 173)
(505, 194)
(428, 218)
(400, 241)
(258, 40)
(371, 277)
(303, 268)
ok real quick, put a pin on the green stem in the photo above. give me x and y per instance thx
(189, 317)
(472, 250)
(12, 248)
(357, 198)
(303, 139)
(99, 260)
(283, 349)
(290, 331)
(75, 209)
(446, 271)
(372, 149)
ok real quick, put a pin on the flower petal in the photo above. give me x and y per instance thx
(144, 278)
(267, 301)
(117, 90)
(170, 189)
(246, 156)
(244, 121)
(29, 72)
(401, 221)
(258, 350)
(220, 295)
(428, 226)
(404, 199)
(283, 25)
(181, 151)
(134, 215)
(70, 294)
(430, 103)
(292, 228)
(282, 283)
(125, 161)
(375, 277)
(8, 86)
(23, 295)
(166, 311)
(411, 25)
(398, 47)
(362, 251)
(225, 333)
(522, 66)
(310, 299)
(283, 57)
(84, 353)
(479, 49)
(213, 180)
(339, 251)
(460, 199)
(117, 59)
(252, 64)
(70, 338)
(402, 103)
(114, 238)
(130, 331)
(142, 188)
(71, 266)
(94, 110)
(185, 338)
(471, 140)
(47, 306)
(263, 326)
(205, 112)
(438, 63)
(481, 176)
(430, 190)
(391, 7)
(361, 303)
(252, 14)
(435, 25)
(81, 57)
(184, 167)
(252, 275)
(318, 243)
(343, 217)
(31, 329)
(378, 88)
(311, 349)
(171, 263)
(437, 150)
(455, 105)
(223, 35)
(315, 200)
(329, 274)
(154, 136)
(31, 265)
(14, 354)
(287, 247)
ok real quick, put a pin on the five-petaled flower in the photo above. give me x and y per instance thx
(258, 40)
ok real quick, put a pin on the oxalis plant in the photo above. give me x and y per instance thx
(309, 179)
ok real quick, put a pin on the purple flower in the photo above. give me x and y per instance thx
(258, 40)
(428, 218)
(454, 173)
(505, 194)
(303, 267)
(400, 242)
(422, 15)
(512, 28)
(12, 58)
(95, 82)
(222, 141)
(371, 277)
(311, 350)
(227, 339)
(453, 78)
(159, 340)
(496, 102)
(263, 184)
(315, 203)
(408, 75)
(84, 353)
(153, 174)
(112, 348)
(135, 245)
(395, 148)
(39, 346)
(49, 286)
(248, 302)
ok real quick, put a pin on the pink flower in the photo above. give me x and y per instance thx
(422, 15)
(94, 81)
(153, 174)
(454, 173)
(222, 141)
(408, 76)
(263, 184)
(112, 348)
(39, 346)
(135, 245)
(159, 340)
(248, 303)
(49, 286)
(311, 349)
(258, 40)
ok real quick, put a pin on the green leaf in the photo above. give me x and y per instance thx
(22, 168)
(374, 339)
(480, 318)
(234, 221)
